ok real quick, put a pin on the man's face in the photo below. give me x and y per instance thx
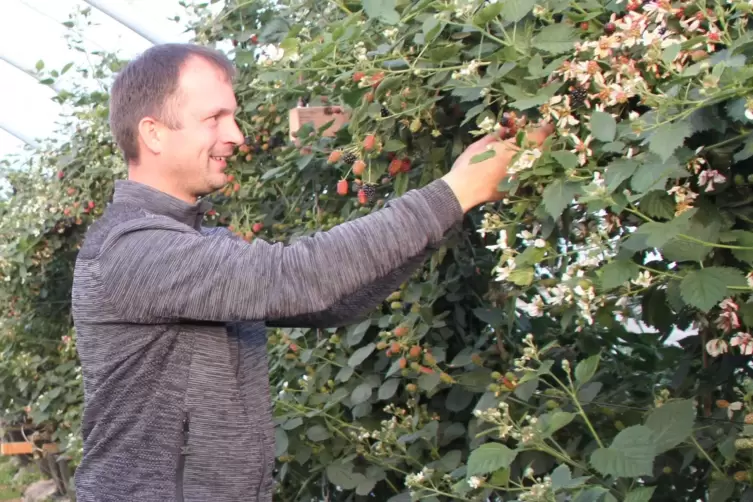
(195, 155)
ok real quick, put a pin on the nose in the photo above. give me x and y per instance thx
(233, 133)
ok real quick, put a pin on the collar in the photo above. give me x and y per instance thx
(158, 202)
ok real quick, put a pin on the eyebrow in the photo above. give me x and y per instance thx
(216, 111)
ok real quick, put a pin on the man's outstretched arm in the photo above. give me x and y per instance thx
(153, 270)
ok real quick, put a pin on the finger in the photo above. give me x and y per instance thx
(539, 134)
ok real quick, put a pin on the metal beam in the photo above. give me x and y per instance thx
(128, 19)
(19, 66)
(18, 134)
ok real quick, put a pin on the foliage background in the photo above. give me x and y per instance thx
(504, 368)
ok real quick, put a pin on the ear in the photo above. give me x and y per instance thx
(151, 134)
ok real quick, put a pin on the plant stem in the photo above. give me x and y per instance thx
(703, 452)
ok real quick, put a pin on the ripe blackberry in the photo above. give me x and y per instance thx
(349, 158)
(248, 140)
(370, 192)
(577, 97)
(385, 112)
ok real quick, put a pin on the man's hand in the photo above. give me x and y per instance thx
(475, 184)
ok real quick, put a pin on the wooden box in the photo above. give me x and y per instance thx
(17, 448)
(319, 115)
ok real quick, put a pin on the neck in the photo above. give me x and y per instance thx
(143, 174)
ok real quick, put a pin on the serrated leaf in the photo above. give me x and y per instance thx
(667, 138)
(365, 486)
(707, 287)
(654, 173)
(618, 171)
(672, 423)
(618, 272)
(360, 355)
(567, 160)
(746, 152)
(515, 10)
(603, 126)
(384, 10)
(342, 475)
(642, 494)
(658, 204)
(743, 239)
(556, 38)
(630, 455)
(489, 457)
(558, 195)
(586, 369)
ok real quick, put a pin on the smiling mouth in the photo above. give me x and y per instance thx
(220, 159)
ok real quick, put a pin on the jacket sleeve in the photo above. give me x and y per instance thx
(154, 270)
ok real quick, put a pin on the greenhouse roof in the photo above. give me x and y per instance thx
(34, 30)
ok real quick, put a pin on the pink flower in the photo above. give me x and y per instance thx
(745, 341)
(709, 177)
(728, 320)
(716, 347)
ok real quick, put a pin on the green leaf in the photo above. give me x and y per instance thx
(672, 423)
(384, 10)
(356, 332)
(618, 272)
(515, 10)
(558, 195)
(489, 457)
(318, 433)
(488, 13)
(458, 399)
(618, 171)
(480, 157)
(642, 494)
(401, 184)
(668, 138)
(342, 475)
(393, 145)
(388, 388)
(281, 442)
(743, 239)
(658, 204)
(746, 152)
(361, 393)
(630, 455)
(654, 173)
(707, 287)
(358, 356)
(566, 159)
(522, 276)
(555, 38)
(603, 126)
(586, 369)
(556, 421)
(493, 316)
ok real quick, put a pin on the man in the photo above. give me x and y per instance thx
(171, 316)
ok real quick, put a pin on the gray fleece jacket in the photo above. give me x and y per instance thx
(171, 321)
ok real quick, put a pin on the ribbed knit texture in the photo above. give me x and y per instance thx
(171, 319)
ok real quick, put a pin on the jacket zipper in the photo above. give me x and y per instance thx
(182, 459)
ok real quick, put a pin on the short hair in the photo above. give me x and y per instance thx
(148, 85)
